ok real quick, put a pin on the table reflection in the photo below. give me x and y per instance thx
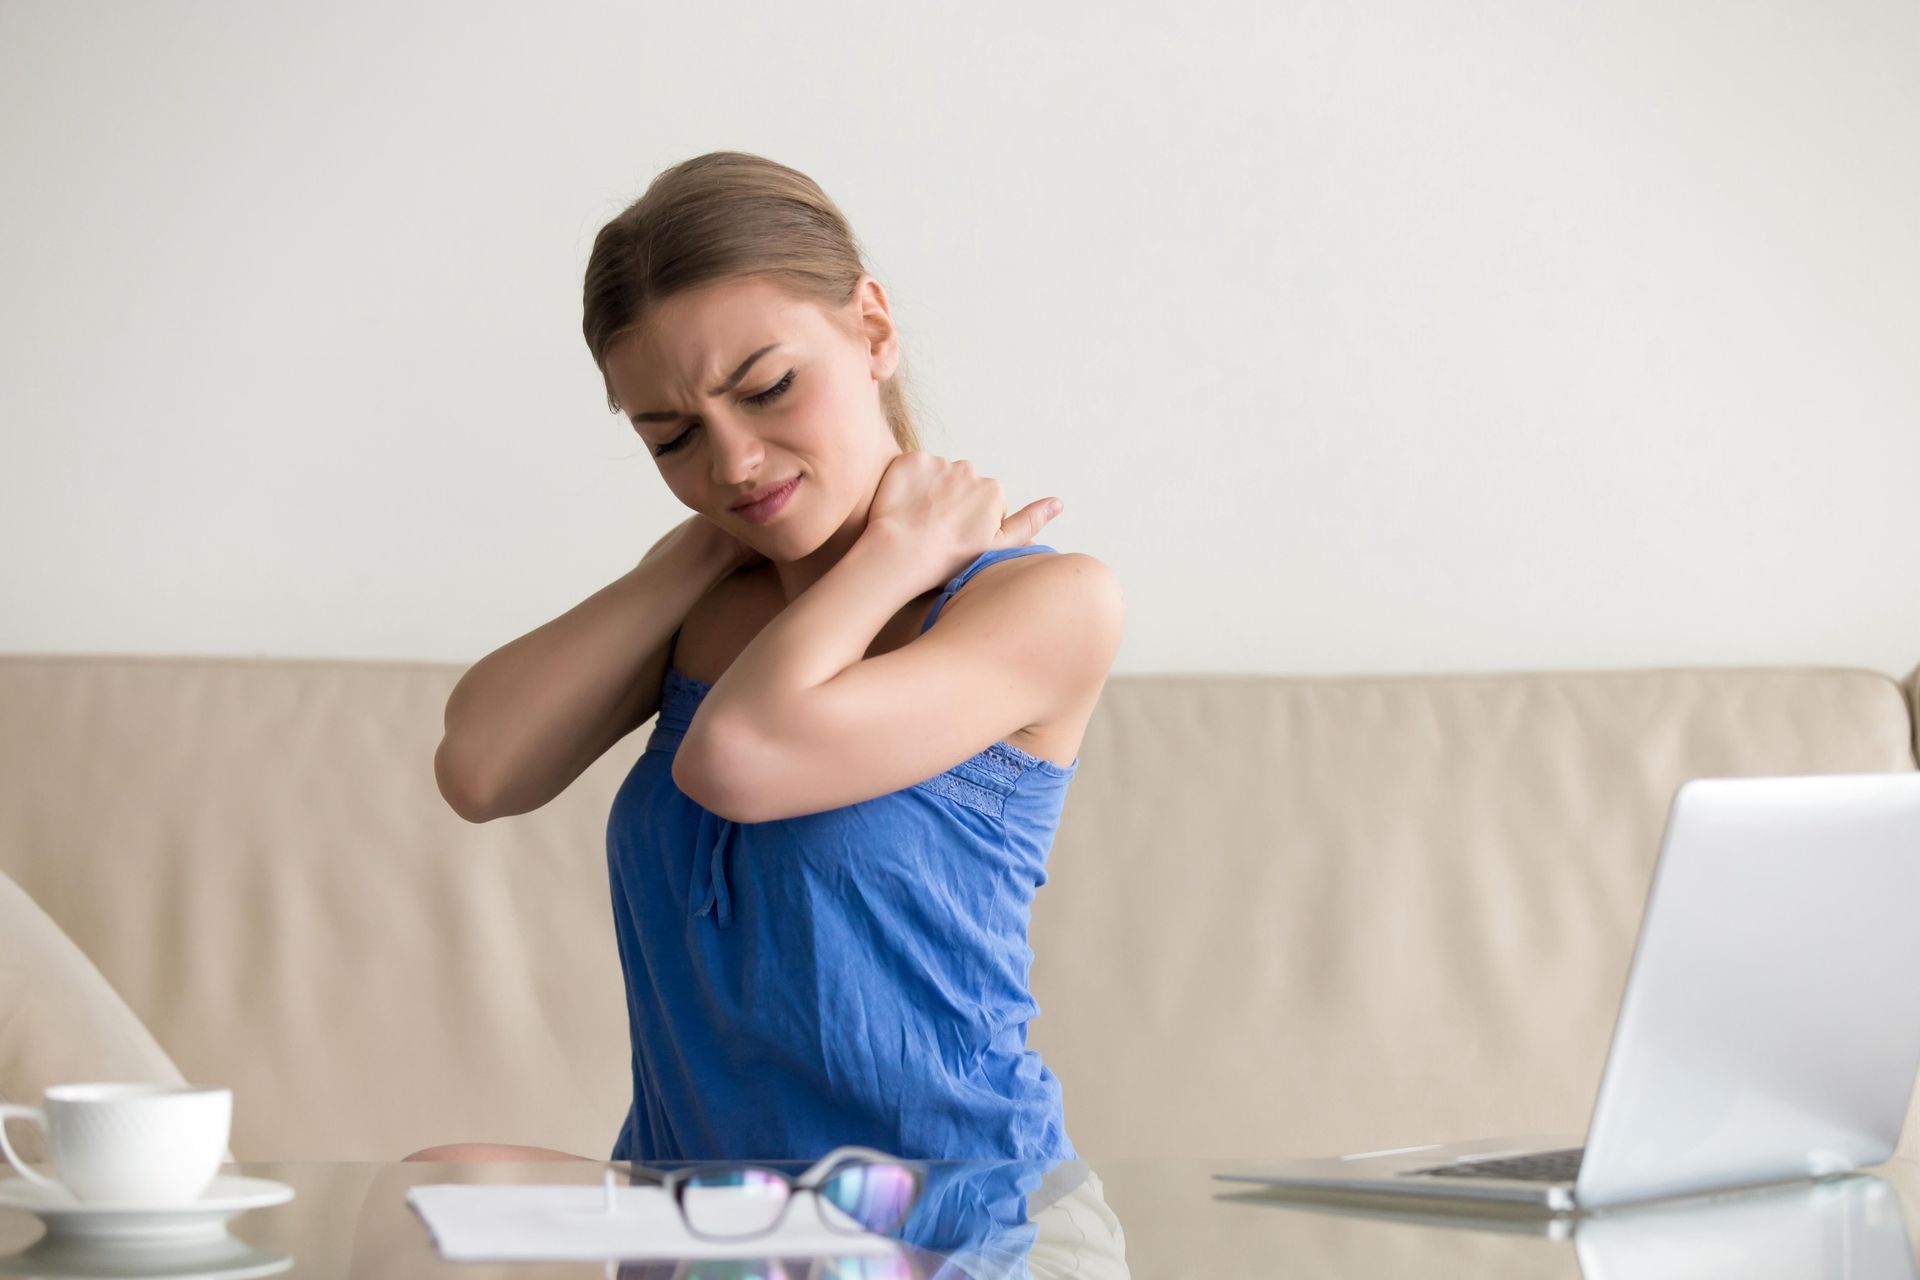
(221, 1258)
(1846, 1227)
(1852, 1226)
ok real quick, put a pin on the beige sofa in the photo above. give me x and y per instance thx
(1284, 915)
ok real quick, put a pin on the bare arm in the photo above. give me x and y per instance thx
(809, 724)
(530, 717)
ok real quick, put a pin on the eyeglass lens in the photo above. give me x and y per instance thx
(734, 1202)
(875, 1197)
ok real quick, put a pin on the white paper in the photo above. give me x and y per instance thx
(521, 1222)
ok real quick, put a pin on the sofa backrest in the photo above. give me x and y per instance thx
(1283, 915)
(1312, 916)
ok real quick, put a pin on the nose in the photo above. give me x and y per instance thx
(736, 453)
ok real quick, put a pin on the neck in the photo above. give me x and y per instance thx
(795, 576)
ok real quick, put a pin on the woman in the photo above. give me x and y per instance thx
(822, 863)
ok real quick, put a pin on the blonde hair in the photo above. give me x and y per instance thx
(726, 215)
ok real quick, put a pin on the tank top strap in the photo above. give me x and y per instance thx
(981, 561)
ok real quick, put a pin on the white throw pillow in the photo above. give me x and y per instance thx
(61, 1020)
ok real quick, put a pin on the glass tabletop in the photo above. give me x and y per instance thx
(1096, 1219)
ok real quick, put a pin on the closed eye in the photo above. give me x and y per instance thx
(773, 392)
(766, 397)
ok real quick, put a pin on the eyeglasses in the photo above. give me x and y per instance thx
(857, 1189)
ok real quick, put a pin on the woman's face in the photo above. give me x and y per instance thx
(724, 418)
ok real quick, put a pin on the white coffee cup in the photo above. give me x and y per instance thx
(148, 1144)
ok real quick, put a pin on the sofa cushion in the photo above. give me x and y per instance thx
(60, 1020)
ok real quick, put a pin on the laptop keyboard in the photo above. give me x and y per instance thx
(1541, 1166)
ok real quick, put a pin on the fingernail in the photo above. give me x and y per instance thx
(1053, 509)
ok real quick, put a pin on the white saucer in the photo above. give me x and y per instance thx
(221, 1259)
(105, 1220)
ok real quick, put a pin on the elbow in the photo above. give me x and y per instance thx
(458, 789)
(707, 767)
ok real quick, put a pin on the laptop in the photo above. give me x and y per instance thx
(1768, 1032)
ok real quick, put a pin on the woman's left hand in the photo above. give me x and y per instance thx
(947, 515)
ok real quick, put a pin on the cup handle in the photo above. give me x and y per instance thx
(13, 1110)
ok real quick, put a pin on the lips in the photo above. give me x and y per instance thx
(770, 506)
(759, 495)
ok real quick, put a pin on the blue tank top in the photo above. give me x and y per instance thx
(857, 975)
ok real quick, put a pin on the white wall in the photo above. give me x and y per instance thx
(1358, 338)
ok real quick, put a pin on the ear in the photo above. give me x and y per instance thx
(874, 319)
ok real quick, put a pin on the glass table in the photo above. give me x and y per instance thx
(1106, 1218)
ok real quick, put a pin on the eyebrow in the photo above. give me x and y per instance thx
(733, 380)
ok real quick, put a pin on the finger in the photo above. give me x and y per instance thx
(1025, 525)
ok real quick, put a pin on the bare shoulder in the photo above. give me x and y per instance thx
(1091, 588)
(1071, 599)
(1070, 613)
